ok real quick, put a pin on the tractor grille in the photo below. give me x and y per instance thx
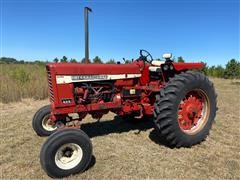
(50, 86)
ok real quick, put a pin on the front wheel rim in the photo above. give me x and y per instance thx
(48, 124)
(193, 111)
(68, 156)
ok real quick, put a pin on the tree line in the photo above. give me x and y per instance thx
(96, 60)
(230, 71)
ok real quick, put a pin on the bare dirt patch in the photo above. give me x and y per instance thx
(124, 150)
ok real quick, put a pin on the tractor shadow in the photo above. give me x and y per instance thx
(92, 163)
(117, 125)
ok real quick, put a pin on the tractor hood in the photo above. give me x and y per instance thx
(95, 69)
(76, 72)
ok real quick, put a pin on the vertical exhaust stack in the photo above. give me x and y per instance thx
(86, 11)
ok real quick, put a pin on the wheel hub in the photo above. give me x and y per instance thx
(68, 156)
(190, 111)
(48, 124)
(67, 152)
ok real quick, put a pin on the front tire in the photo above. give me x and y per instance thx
(42, 123)
(66, 152)
(185, 109)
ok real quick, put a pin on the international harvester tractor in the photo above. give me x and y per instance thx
(179, 99)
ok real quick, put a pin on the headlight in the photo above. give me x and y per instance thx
(66, 101)
(165, 67)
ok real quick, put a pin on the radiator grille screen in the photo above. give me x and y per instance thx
(50, 86)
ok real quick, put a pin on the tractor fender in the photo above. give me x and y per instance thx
(181, 66)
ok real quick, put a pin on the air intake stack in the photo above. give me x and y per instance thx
(86, 11)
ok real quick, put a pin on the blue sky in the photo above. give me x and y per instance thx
(206, 30)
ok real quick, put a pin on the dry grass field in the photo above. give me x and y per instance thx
(19, 81)
(128, 151)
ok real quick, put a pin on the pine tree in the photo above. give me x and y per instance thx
(97, 60)
(180, 59)
(73, 60)
(232, 69)
(56, 60)
(64, 59)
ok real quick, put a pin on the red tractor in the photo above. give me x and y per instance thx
(181, 102)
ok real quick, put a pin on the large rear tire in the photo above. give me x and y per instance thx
(185, 109)
(42, 123)
(66, 152)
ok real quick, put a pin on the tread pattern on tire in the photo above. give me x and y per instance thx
(165, 110)
(57, 138)
(37, 121)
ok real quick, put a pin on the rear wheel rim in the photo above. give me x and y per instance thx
(193, 112)
(48, 124)
(68, 156)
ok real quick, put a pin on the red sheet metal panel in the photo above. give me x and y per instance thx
(185, 66)
(77, 68)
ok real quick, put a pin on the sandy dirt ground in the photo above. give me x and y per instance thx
(124, 150)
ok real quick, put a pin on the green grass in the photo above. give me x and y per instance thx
(20, 81)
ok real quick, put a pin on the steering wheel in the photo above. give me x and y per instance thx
(144, 56)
